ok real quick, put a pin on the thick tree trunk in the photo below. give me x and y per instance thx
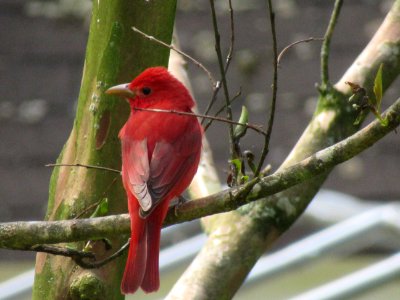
(115, 54)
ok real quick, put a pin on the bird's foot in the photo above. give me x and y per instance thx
(181, 200)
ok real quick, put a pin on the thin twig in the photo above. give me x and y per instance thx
(84, 166)
(232, 149)
(231, 47)
(93, 205)
(97, 264)
(254, 127)
(78, 256)
(222, 109)
(227, 63)
(68, 252)
(265, 149)
(327, 41)
(196, 62)
(212, 101)
(310, 39)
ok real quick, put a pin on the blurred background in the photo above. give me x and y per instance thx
(41, 59)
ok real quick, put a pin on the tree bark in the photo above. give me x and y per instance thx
(115, 54)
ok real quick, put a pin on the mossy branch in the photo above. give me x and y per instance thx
(22, 235)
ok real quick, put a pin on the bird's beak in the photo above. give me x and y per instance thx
(121, 90)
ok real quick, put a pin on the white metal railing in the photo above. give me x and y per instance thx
(315, 245)
(17, 285)
(356, 282)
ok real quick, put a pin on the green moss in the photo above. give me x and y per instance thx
(391, 50)
(331, 99)
(87, 287)
(47, 286)
(53, 185)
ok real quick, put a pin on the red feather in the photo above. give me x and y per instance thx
(160, 155)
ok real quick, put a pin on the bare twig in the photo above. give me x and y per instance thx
(232, 23)
(284, 50)
(222, 109)
(212, 101)
(327, 41)
(93, 205)
(195, 61)
(68, 252)
(254, 127)
(78, 256)
(232, 148)
(84, 166)
(227, 63)
(265, 149)
(97, 264)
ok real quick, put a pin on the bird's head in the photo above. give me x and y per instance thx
(153, 86)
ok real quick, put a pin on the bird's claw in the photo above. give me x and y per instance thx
(181, 200)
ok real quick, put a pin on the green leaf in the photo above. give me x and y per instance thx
(71, 247)
(240, 130)
(360, 117)
(243, 178)
(237, 163)
(101, 209)
(378, 89)
(384, 122)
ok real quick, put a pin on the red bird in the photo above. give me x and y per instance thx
(160, 156)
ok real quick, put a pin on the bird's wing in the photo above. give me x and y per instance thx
(169, 171)
(136, 170)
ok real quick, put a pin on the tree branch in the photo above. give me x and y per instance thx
(231, 47)
(94, 264)
(227, 64)
(220, 110)
(267, 138)
(383, 48)
(232, 151)
(84, 166)
(284, 50)
(327, 42)
(84, 259)
(257, 128)
(171, 47)
(21, 235)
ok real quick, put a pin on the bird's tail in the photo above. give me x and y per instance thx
(141, 269)
(151, 279)
(137, 256)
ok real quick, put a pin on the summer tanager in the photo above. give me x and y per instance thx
(160, 156)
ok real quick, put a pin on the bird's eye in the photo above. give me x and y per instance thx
(146, 91)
